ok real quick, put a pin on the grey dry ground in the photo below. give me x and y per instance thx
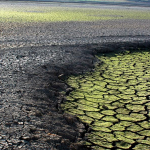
(32, 59)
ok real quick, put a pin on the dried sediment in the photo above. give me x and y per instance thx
(113, 101)
(32, 79)
(34, 60)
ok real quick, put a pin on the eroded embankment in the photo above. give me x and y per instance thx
(114, 101)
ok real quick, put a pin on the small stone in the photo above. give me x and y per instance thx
(27, 138)
(20, 123)
(65, 141)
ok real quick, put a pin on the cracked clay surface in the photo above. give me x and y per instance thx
(114, 101)
(34, 60)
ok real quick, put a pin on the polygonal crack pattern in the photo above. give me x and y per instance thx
(114, 101)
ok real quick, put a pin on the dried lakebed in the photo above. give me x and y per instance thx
(114, 101)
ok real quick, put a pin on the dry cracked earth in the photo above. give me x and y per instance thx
(34, 61)
(114, 101)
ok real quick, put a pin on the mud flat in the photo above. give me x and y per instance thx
(113, 101)
(37, 57)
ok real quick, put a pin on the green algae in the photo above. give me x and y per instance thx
(132, 117)
(122, 110)
(94, 115)
(112, 100)
(104, 129)
(61, 14)
(103, 123)
(108, 112)
(144, 124)
(123, 145)
(141, 147)
(134, 128)
(118, 127)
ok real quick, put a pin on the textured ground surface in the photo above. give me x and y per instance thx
(114, 101)
(31, 69)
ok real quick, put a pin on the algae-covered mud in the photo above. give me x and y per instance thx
(114, 101)
(61, 14)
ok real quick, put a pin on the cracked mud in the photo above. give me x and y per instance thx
(114, 101)
(35, 57)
